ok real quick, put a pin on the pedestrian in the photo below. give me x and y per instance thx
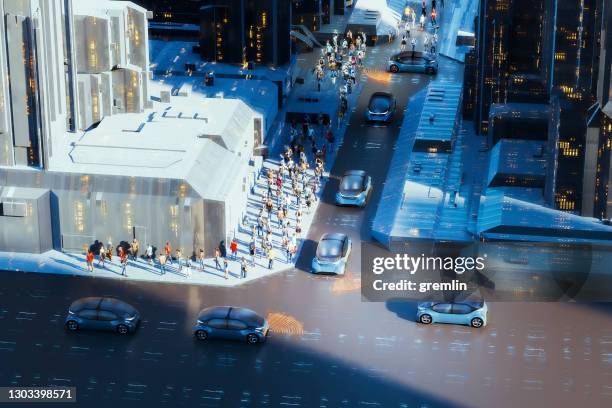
(109, 250)
(225, 268)
(101, 256)
(162, 263)
(123, 259)
(134, 249)
(223, 249)
(292, 252)
(89, 258)
(252, 251)
(260, 223)
(234, 248)
(422, 22)
(201, 259)
(403, 44)
(270, 257)
(217, 255)
(168, 251)
(434, 14)
(179, 256)
(243, 268)
(149, 254)
(280, 215)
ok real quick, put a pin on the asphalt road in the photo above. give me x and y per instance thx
(327, 348)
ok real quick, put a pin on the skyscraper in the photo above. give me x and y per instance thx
(239, 31)
(544, 52)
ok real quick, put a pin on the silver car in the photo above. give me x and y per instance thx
(354, 189)
(408, 61)
(332, 254)
(231, 323)
(102, 313)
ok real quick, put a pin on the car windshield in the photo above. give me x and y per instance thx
(380, 104)
(329, 249)
(351, 184)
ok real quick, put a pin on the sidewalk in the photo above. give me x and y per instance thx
(74, 264)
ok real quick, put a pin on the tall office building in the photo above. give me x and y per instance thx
(239, 31)
(64, 65)
(545, 52)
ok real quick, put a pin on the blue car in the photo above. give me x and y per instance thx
(381, 107)
(101, 313)
(231, 323)
(417, 62)
(354, 189)
(332, 254)
(467, 313)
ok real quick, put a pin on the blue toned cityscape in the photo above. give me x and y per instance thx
(306, 203)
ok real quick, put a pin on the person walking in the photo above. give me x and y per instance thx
(89, 258)
(234, 248)
(217, 255)
(270, 257)
(101, 256)
(403, 44)
(260, 223)
(201, 259)
(179, 259)
(434, 14)
(109, 250)
(253, 251)
(168, 252)
(134, 249)
(149, 254)
(225, 268)
(223, 249)
(162, 263)
(413, 44)
(123, 259)
(243, 268)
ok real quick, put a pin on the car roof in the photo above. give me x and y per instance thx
(361, 173)
(246, 315)
(334, 236)
(91, 302)
(380, 93)
(214, 312)
(117, 306)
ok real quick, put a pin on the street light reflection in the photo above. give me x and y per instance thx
(380, 76)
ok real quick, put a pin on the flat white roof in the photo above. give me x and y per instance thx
(191, 138)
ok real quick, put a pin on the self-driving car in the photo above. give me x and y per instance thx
(102, 313)
(418, 62)
(354, 188)
(381, 107)
(332, 254)
(467, 313)
(231, 323)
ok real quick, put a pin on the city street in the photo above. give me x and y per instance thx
(327, 347)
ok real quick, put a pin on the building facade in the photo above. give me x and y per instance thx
(240, 31)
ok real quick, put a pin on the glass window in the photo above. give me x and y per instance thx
(107, 316)
(236, 325)
(217, 323)
(460, 308)
(90, 314)
(442, 308)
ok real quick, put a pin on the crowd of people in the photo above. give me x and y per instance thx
(430, 39)
(292, 189)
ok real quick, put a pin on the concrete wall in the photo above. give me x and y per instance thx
(25, 221)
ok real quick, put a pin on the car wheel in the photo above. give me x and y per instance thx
(394, 69)
(72, 325)
(201, 334)
(123, 329)
(476, 322)
(425, 319)
(252, 339)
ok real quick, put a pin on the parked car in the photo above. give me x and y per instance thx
(231, 323)
(102, 313)
(381, 107)
(408, 61)
(467, 313)
(354, 188)
(332, 254)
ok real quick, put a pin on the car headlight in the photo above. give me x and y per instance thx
(260, 329)
(132, 318)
